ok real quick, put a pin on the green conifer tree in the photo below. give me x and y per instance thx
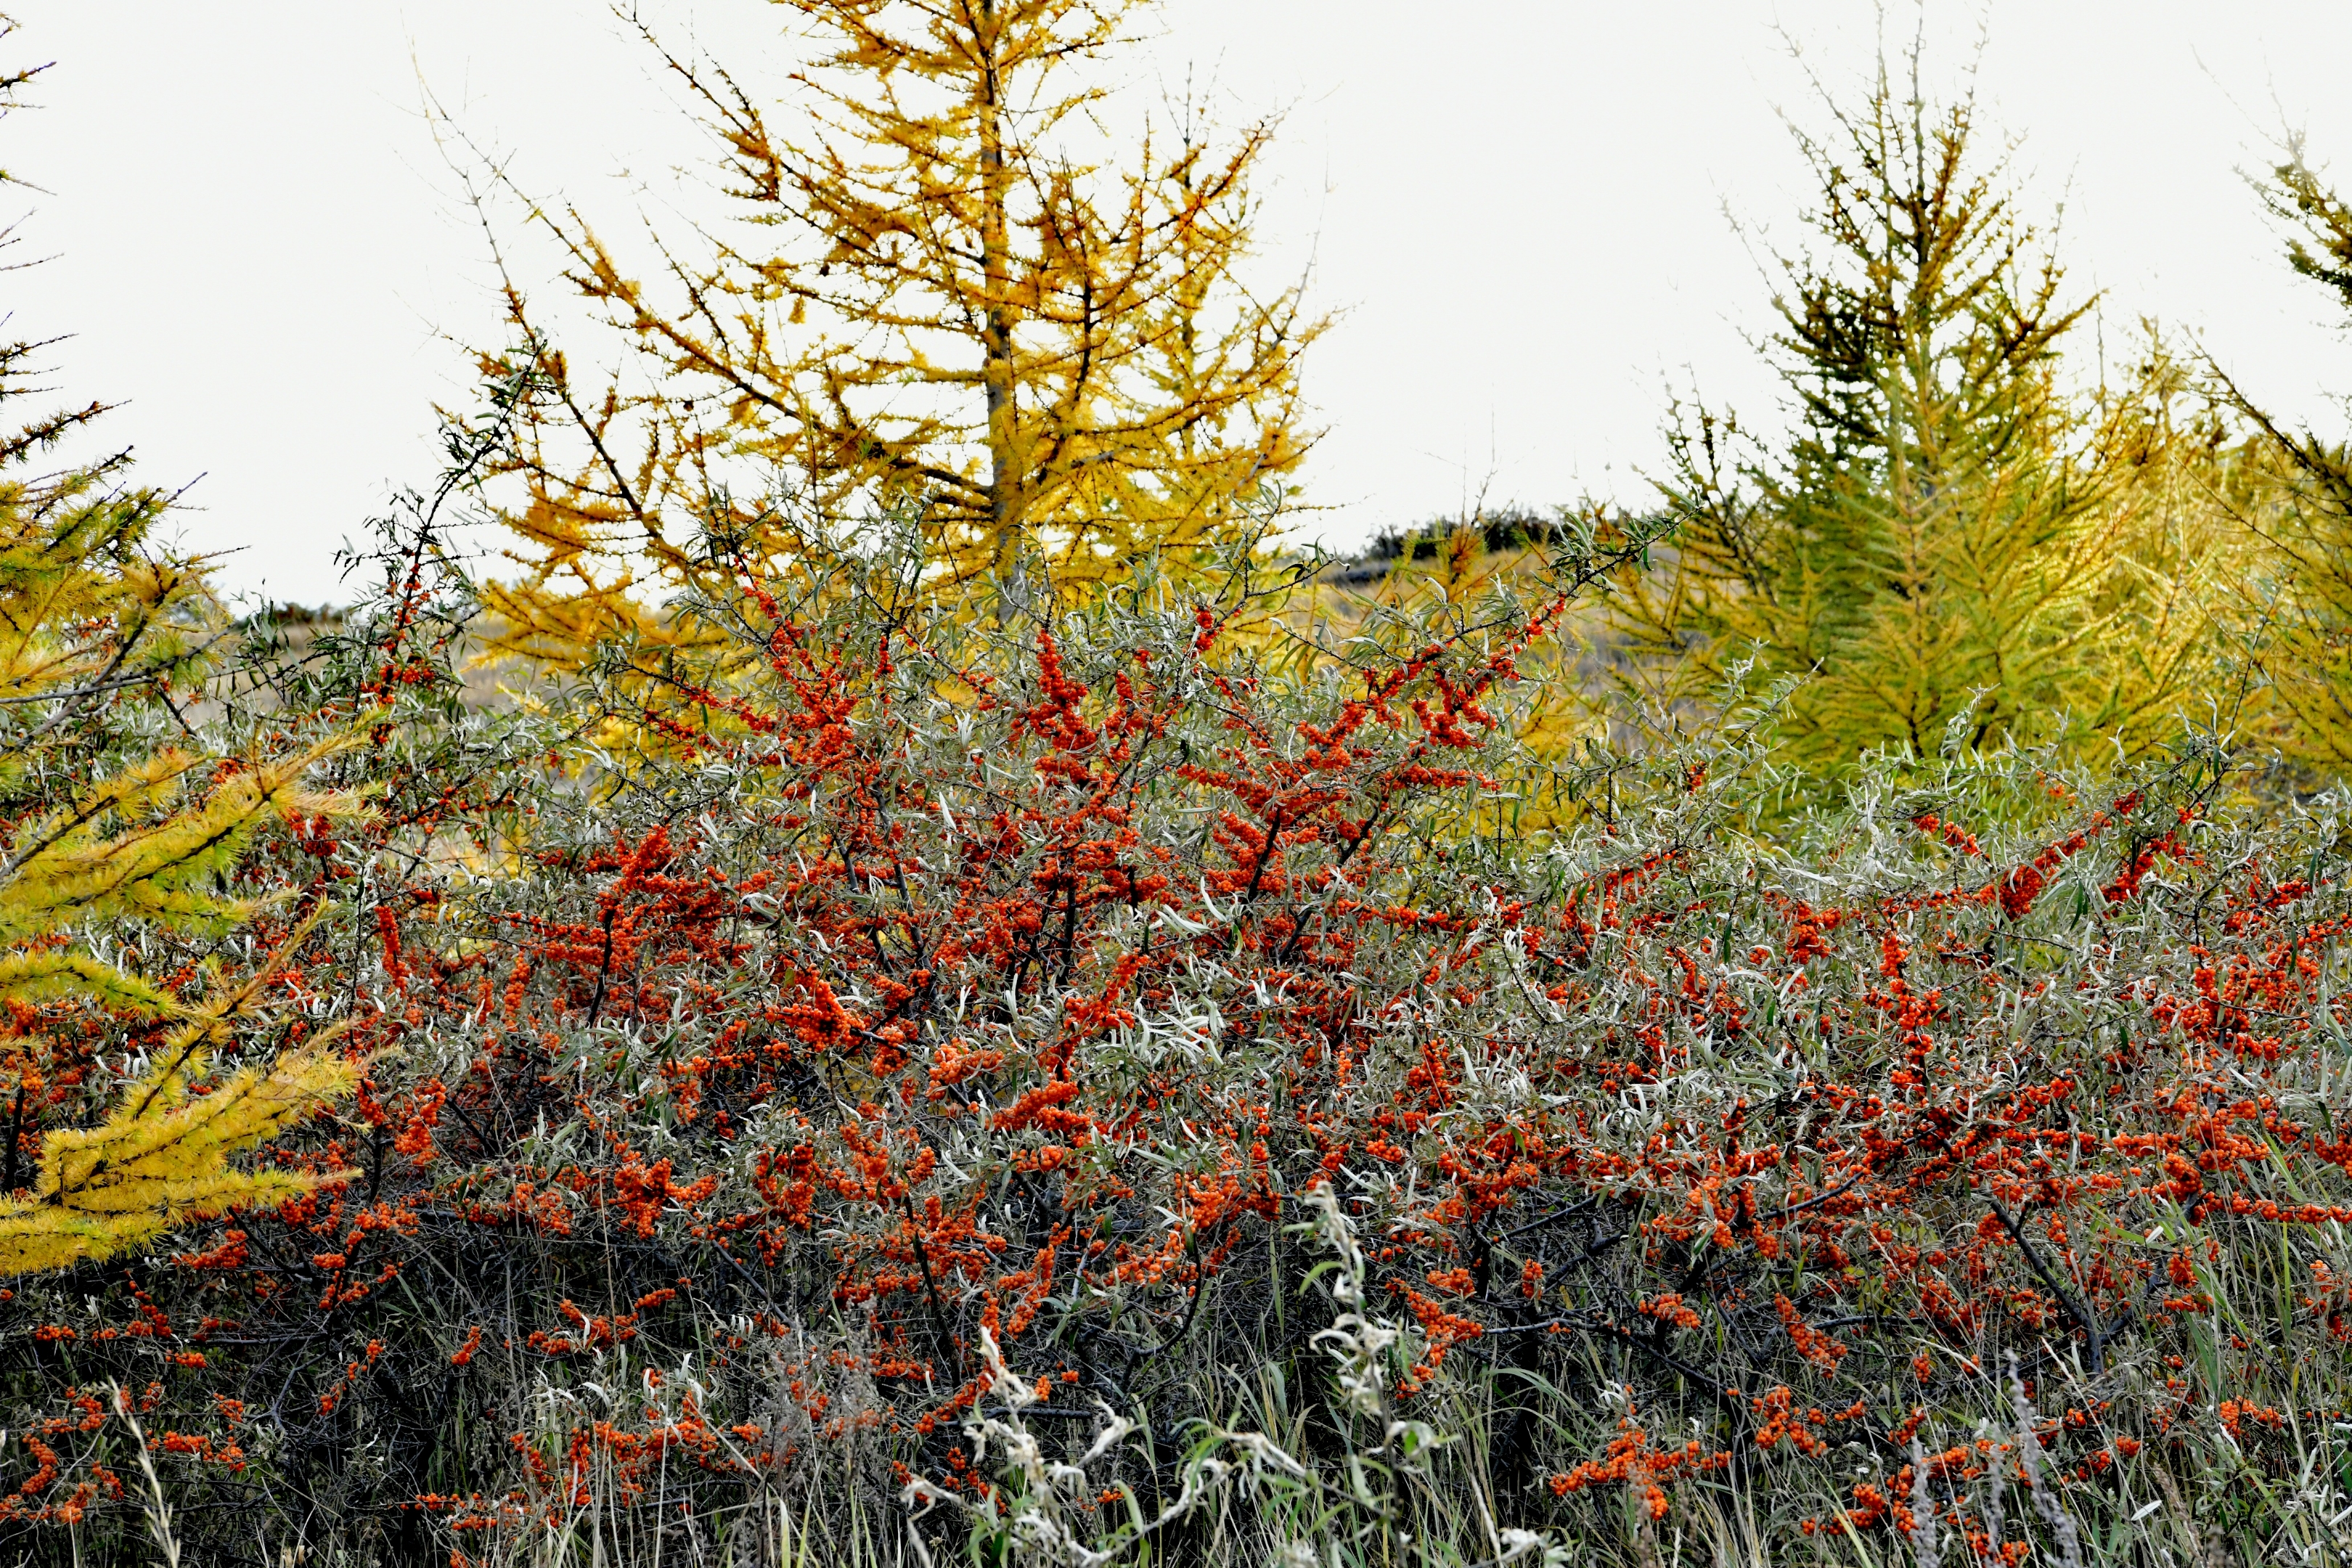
(1945, 531)
(2301, 637)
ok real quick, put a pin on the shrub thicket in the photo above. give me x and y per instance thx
(1346, 1176)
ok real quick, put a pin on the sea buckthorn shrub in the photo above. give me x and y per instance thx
(1104, 1088)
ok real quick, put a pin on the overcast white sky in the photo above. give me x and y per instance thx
(1520, 206)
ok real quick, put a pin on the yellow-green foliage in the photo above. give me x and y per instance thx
(152, 842)
(145, 845)
(2302, 643)
(1946, 530)
(161, 1157)
(148, 845)
(104, 832)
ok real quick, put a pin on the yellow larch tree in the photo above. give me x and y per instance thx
(94, 621)
(105, 832)
(957, 296)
